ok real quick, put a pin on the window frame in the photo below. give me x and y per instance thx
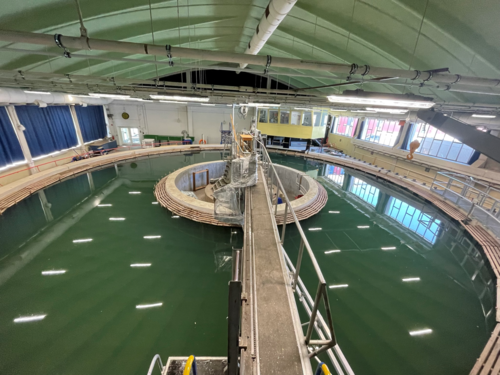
(426, 149)
(353, 127)
(379, 132)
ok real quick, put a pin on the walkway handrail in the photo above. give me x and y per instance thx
(321, 293)
(156, 359)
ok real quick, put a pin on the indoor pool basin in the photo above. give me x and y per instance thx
(96, 277)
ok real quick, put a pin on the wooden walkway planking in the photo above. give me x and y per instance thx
(75, 168)
(163, 197)
(489, 361)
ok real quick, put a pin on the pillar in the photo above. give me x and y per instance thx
(19, 130)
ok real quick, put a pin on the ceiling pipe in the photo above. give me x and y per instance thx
(275, 12)
(17, 96)
(82, 43)
(159, 62)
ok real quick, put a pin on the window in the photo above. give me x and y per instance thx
(422, 224)
(10, 149)
(336, 174)
(434, 142)
(382, 132)
(284, 117)
(366, 192)
(263, 115)
(346, 126)
(324, 119)
(48, 130)
(273, 116)
(92, 122)
(317, 118)
(295, 118)
(307, 119)
(130, 135)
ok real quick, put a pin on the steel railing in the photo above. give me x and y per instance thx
(326, 343)
(478, 202)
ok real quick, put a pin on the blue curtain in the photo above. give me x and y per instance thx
(48, 129)
(10, 149)
(92, 122)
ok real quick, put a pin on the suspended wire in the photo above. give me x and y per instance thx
(416, 41)
(352, 21)
(153, 35)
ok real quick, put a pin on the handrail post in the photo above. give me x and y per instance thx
(284, 224)
(299, 261)
(314, 312)
(277, 196)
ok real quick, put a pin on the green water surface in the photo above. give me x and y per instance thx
(92, 324)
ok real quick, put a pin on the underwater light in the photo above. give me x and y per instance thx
(53, 272)
(338, 286)
(83, 240)
(421, 332)
(31, 318)
(332, 251)
(148, 306)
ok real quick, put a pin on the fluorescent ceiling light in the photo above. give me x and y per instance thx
(31, 318)
(388, 110)
(476, 115)
(112, 96)
(389, 248)
(314, 229)
(334, 212)
(82, 240)
(181, 98)
(82, 96)
(303, 109)
(208, 105)
(259, 104)
(363, 226)
(134, 192)
(172, 102)
(53, 272)
(148, 306)
(104, 205)
(338, 110)
(384, 102)
(421, 332)
(363, 111)
(151, 237)
(409, 279)
(338, 286)
(37, 92)
(332, 251)
(140, 265)
(116, 218)
(229, 105)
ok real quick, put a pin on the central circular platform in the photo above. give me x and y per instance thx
(187, 192)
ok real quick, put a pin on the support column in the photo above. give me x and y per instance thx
(76, 124)
(19, 130)
(190, 126)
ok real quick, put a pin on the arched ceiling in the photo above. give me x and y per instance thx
(462, 35)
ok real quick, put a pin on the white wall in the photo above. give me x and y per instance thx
(172, 119)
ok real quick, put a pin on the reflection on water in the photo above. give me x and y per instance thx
(413, 219)
(409, 289)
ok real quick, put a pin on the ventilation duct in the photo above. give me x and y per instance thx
(275, 12)
(17, 96)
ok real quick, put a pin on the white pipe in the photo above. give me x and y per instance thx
(16, 96)
(275, 12)
(82, 43)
